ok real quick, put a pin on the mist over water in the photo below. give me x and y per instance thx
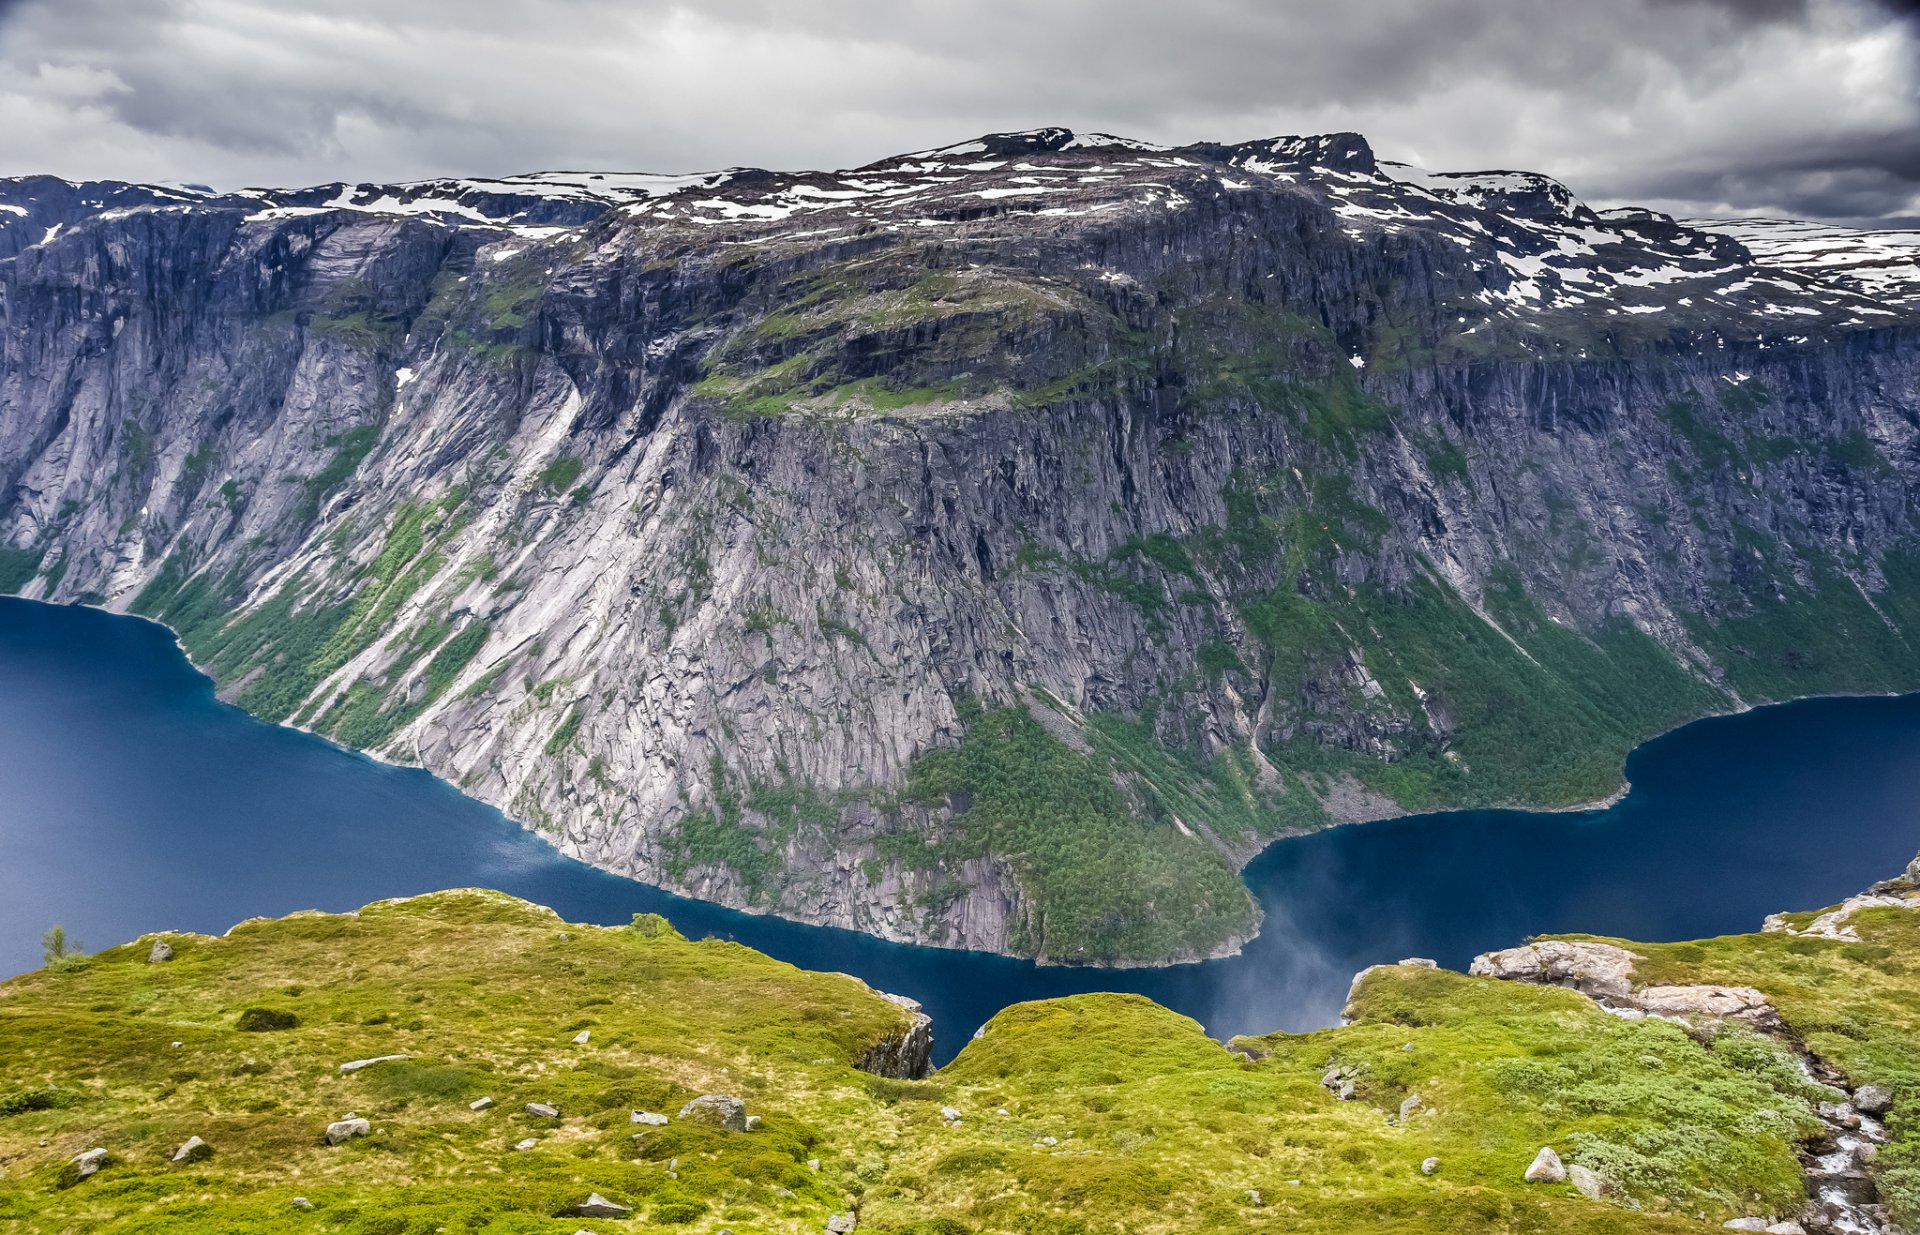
(132, 800)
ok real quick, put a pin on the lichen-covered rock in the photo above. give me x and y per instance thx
(1709, 1002)
(193, 1150)
(1546, 1168)
(342, 1130)
(718, 1109)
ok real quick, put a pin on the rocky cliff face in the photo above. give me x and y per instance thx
(993, 547)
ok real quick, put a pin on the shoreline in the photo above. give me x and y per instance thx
(1228, 949)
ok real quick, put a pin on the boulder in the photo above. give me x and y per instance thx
(527, 1144)
(195, 1150)
(480, 1104)
(1741, 1003)
(726, 1112)
(840, 1224)
(346, 1129)
(542, 1110)
(650, 1118)
(1913, 872)
(1599, 971)
(753, 1123)
(597, 1206)
(1418, 962)
(161, 952)
(1745, 1224)
(1587, 1182)
(301, 1202)
(88, 1163)
(356, 1064)
(1429, 1165)
(1873, 1099)
(580, 1039)
(1546, 1168)
(949, 1114)
(1408, 1105)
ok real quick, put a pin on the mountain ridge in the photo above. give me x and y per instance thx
(982, 556)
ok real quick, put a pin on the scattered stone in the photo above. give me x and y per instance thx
(1597, 970)
(480, 1104)
(753, 1123)
(357, 1064)
(161, 952)
(950, 1114)
(1254, 1198)
(527, 1144)
(346, 1129)
(1406, 1046)
(1786, 1228)
(1873, 1099)
(1587, 1182)
(597, 1206)
(650, 1118)
(1346, 1091)
(813, 1164)
(1429, 1165)
(88, 1164)
(178, 1045)
(301, 1202)
(1409, 1105)
(728, 1112)
(1048, 1140)
(195, 1150)
(840, 1224)
(543, 1110)
(580, 1039)
(1002, 1112)
(1547, 1168)
(1745, 1224)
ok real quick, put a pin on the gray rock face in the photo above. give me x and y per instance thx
(1913, 871)
(621, 528)
(906, 1055)
(1546, 1168)
(1709, 1002)
(719, 1109)
(1587, 1182)
(343, 1130)
(1598, 970)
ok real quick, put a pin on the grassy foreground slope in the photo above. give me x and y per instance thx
(1094, 1114)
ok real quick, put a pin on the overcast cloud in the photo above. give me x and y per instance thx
(1802, 107)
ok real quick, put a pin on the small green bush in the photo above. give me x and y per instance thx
(265, 1020)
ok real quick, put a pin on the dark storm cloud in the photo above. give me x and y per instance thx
(1795, 105)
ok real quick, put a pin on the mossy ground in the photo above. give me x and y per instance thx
(1079, 1116)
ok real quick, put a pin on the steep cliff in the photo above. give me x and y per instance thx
(991, 547)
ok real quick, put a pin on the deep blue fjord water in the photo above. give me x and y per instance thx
(132, 800)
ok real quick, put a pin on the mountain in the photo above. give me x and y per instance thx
(994, 546)
(505, 1066)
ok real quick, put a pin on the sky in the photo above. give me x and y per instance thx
(1805, 108)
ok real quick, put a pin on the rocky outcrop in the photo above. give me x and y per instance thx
(906, 1055)
(694, 523)
(1600, 971)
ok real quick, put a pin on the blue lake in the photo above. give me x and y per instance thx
(132, 800)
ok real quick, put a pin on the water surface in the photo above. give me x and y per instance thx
(132, 800)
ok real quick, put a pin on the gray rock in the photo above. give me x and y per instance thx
(345, 1129)
(581, 1038)
(1587, 1182)
(650, 1118)
(357, 1064)
(1429, 1165)
(1254, 1198)
(1546, 1168)
(753, 1124)
(718, 1109)
(543, 1110)
(1913, 871)
(1873, 1099)
(194, 1150)
(161, 952)
(301, 1202)
(1418, 962)
(1408, 1105)
(1786, 1228)
(840, 1224)
(87, 1163)
(1597, 970)
(527, 1144)
(597, 1206)
(950, 1114)
(480, 1104)
(1741, 1003)
(1746, 1224)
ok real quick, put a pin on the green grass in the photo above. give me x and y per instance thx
(1098, 1114)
